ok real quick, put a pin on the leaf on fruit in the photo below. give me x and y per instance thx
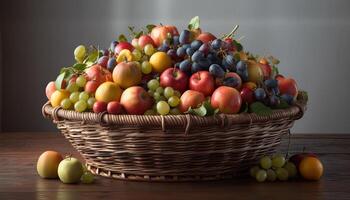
(59, 80)
(209, 108)
(201, 111)
(122, 38)
(149, 27)
(93, 54)
(282, 105)
(194, 23)
(238, 45)
(260, 109)
(275, 71)
(79, 66)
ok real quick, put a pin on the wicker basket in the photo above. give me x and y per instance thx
(173, 147)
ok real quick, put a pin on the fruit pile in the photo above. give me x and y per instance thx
(163, 72)
(306, 165)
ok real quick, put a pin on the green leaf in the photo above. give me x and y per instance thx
(79, 66)
(304, 96)
(275, 71)
(137, 35)
(92, 57)
(122, 38)
(194, 23)
(244, 108)
(201, 111)
(260, 109)
(149, 27)
(209, 108)
(282, 105)
(59, 80)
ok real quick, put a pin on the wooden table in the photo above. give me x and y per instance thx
(19, 180)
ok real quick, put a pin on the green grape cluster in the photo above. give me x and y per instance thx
(273, 168)
(167, 99)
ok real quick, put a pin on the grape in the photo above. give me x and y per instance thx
(148, 49)
(278, 161)
(265, 162)
(186, 46)
(84, 96)
(136, 55)
(87, 178)
(291, 168)
(275, 91)
(216, 44)
(288, 98)
(184, 37)
(216, 71)
(261, 175)
(174, 101)
(231, 82)
(153, 84)
(146, 67)
(181, 52)
(241, 66)
(72, 87)
(230, 61)
(274, 100)
(163, 48)
(259, 94)
(163, 107)
(103, 61)
(176, 40)
(185, 66)
(196, 67)
(81, 81)
(74, 97)
(177, 93)
(271, 175)
(168, 92)
(204, 63)
(204, 48)
(80, 106)
(160, 90)
(112, 46)
(172, 53)
(282, 174)
(196, 44)
(271, 83)
(189, 51)
(196, 56)
(175, 111)
(80, 52)
(254, 170)
(90, 102)
(112, 62)
(156, 96)
(150, 112)
(66, 103)
(243, 75)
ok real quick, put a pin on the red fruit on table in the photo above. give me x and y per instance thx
(144, 40)
(175, 78)
(160, 33)
(247, 95)
(121, 46)
(114, 107)
(99, 106)
(98, 74)
(288, 86)
(206, 37)
(136, 100)
(191, 99)
(227, 99)
(219, 81)
(50, 88)
(203, 82)
(91, 86)
(297, 158)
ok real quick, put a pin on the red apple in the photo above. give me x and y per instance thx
(288, 86)
(136, 100)
(247, 95)
(121, 46)
(203, 82)
(206, 37)
(50, 88)
(297, 158)
(226, 99)
(127, 74)
(266, 69)
(219, 81)
(114, 107)
(160, 33)
(144, 40)
(91, 86)
(192, 99)
(279, 77)
(98, 73)
(175, 78)
(99, 106)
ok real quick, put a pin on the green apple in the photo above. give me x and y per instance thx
(70, 170)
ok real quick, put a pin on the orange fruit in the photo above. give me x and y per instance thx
(311, 168)
(57, 97)
(47, 164)
(107, 92)
(160, 61)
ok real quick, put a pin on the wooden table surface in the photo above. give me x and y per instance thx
(19, 180)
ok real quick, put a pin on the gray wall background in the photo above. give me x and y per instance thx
(311, 38)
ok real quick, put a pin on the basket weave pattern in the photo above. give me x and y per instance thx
(173, 148)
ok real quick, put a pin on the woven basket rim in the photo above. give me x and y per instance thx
(294, 112)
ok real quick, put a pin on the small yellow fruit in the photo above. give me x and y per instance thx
(160, 61)
(311, 168)
(124, 55)
(255, 73)
(107, 92)
(58, 96)
(47, 164)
